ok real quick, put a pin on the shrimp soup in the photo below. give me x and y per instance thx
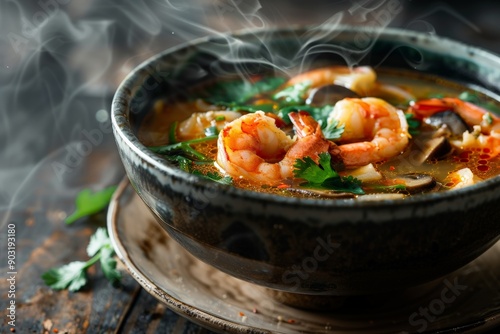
(330, 133)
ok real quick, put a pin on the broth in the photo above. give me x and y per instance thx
(462, 159)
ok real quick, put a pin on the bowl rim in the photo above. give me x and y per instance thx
(121, 123)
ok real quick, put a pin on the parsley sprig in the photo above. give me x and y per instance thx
(323, 176)
(73, 276)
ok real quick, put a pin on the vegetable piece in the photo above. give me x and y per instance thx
(88, 203)
(366, 173)
(323, 176)
(416, 182)
(453, 122)
(73, 276)
(431, 148)
(461, 178)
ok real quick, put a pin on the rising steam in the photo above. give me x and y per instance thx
(61, 60)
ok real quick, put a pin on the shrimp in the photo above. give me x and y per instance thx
(254, 148)
(486, 125)
(361, 79)
(195, 125)
(374, 130)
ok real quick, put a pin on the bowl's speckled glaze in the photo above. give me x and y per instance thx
(341, 247)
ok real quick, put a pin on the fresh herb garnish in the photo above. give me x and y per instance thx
(388, 188)
(172, 137)
(216, 177)
(293, 94)
(237, 92)
(211, 131)
(323, 176)
(184, 149)
(413, 124)
(88, 203)
(333, 131)
(73, 276)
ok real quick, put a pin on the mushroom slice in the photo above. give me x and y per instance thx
(329, 94)
(431, 148)
(321, 193)
(453, 122)
(416, 182)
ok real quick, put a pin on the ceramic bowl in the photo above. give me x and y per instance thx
(308, 246)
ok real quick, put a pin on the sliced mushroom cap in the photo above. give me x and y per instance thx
(329, 94)
(451, 120)
(416, 182)
(431, 148)
(321, 193)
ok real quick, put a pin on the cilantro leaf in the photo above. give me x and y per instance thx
(347, 184)
(293, 94)
(88, 203)
(108, 265)
(213, 176)
(239, 91)
(323, 176)
(316, 174)
(73, 276)
(333, 131)
(98, 240)
(184, 149)
(70, 276)
(413, 124)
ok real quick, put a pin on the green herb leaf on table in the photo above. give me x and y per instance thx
(73, 276)
(323, 176)
(88, 203)
(70, 276)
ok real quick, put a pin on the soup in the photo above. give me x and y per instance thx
(332, 132)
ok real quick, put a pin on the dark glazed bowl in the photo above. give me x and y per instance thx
(307, 246)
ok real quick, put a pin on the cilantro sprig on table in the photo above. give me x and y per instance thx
(73, 276)
(323, 176)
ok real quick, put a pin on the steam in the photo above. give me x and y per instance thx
(61, 61)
